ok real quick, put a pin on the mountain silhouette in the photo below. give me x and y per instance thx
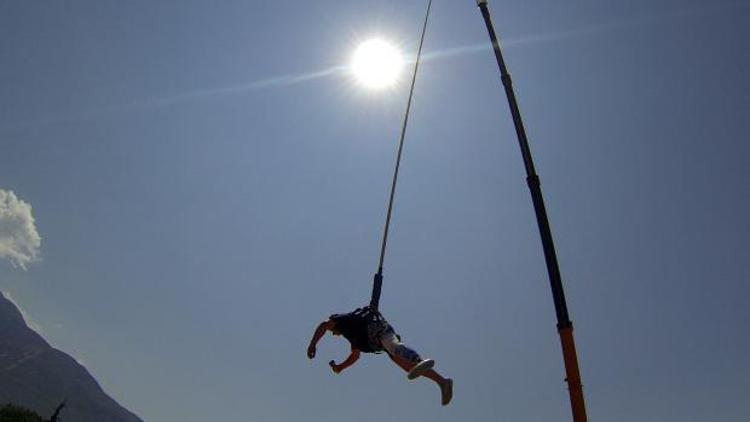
(37, 376)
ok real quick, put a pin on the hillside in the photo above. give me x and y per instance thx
(35, 375)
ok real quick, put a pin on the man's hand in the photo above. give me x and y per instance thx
(336, 368)
(311, 351)
(346, 363)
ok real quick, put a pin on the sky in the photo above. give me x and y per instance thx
(188, 188)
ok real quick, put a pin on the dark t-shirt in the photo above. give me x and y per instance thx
(354, 328)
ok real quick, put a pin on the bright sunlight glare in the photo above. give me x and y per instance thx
(376, 64)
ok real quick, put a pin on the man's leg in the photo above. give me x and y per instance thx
(402, 355)
(445, 384)
(407, 366)
(405, 357)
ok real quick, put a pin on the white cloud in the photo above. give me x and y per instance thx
(19, 240)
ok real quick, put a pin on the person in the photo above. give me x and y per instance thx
(368, 332)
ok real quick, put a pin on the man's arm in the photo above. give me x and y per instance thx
(319, 332)
(353, 357)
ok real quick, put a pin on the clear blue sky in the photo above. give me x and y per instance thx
(201, 207)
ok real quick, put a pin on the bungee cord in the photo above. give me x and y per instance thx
(378, 280)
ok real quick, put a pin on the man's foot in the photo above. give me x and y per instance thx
(419, 369)
(446, 391)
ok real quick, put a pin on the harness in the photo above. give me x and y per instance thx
(355, 326)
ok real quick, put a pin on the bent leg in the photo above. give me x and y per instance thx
(400, 353)
(407, 359)
(407, 366)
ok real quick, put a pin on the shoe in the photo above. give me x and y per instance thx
(446, 391)
(419, 369)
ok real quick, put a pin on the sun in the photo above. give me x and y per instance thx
(376, 64)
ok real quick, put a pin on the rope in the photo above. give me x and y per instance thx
(378, 281)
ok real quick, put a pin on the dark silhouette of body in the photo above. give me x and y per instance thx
(368, 332)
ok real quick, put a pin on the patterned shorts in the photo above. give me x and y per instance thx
(376, 330)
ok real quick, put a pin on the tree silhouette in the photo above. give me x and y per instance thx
(13, 413)
(56, 416)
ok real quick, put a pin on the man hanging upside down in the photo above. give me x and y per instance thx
(367, 331)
